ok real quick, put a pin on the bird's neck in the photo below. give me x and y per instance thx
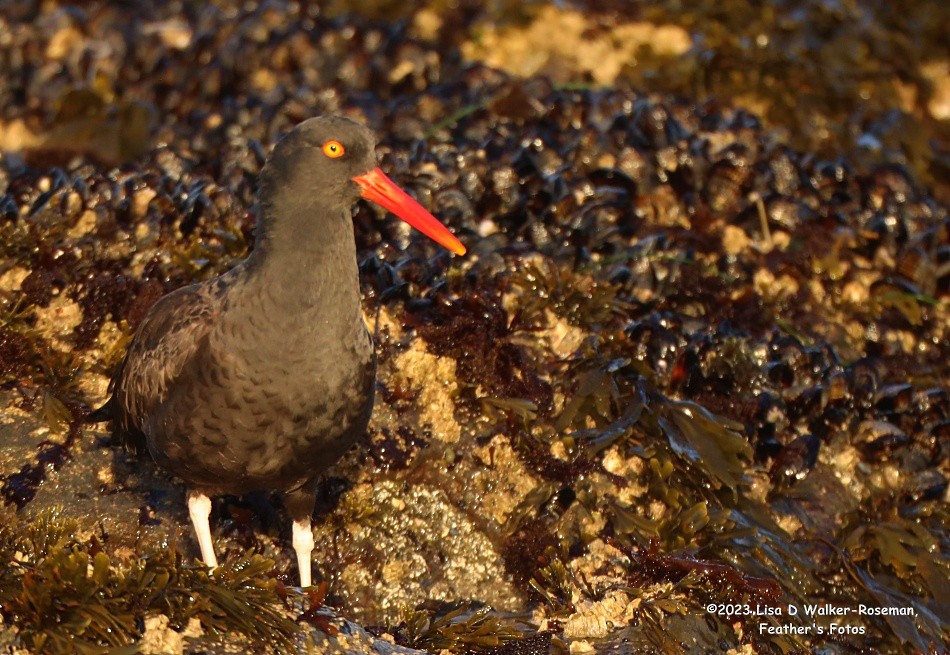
(309, 265)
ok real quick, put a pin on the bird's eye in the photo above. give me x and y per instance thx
(333, 149)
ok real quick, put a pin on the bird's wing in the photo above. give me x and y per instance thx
(172, 333)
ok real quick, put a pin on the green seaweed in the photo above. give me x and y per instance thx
(66, 593)
(464, 627)
(577, 297)
(707, 441)
(558, 584)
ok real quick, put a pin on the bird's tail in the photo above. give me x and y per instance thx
(129, 437)
(105, 413)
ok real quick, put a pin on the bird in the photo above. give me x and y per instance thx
(261, 378)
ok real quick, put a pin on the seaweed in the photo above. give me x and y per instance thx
(395, 450)
(313, 616)
(67, 594)
(527, 550)
(649, 566)
(558, 584)
(25, 354)
(578, 297)
(457, 627)
(612, 401)
(476, 327)
(106, 294)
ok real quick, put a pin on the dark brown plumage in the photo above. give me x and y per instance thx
(263, 377)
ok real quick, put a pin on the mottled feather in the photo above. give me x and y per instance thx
(171, 334)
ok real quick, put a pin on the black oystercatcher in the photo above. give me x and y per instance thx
(263, 377)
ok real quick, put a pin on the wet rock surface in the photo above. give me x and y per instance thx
(684, 362)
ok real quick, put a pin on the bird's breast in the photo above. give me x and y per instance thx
(264, 408)
(302, 360)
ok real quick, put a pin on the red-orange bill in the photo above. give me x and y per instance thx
(383, 191)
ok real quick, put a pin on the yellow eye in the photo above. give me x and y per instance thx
(333, 149)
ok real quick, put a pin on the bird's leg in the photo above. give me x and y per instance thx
(299, 505)
(303, 544)
(199, 507)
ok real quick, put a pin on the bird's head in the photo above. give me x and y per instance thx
(336, 157)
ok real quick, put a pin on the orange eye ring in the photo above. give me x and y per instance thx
(333, 149)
